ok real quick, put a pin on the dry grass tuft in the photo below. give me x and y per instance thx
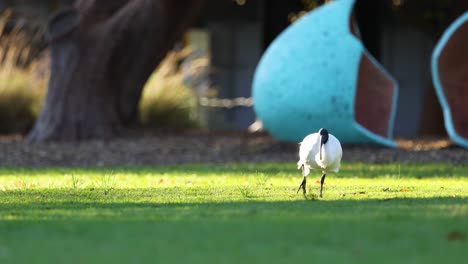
(169, 99)
(22, 88)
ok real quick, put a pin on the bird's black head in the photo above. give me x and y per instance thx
(324, 135)
(323, 139)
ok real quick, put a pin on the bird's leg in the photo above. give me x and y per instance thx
(322, 180)
(303, 183)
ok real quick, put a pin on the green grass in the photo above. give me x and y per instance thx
(237, 213)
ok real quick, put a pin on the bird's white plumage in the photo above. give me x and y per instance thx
(309, 154)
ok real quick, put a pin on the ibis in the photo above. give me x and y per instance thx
(321, 151)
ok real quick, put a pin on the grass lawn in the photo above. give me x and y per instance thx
(236, 213)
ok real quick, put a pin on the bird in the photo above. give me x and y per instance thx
(321, 151)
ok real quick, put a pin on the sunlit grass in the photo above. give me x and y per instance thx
(236, 213)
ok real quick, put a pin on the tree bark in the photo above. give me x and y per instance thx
(102, 53)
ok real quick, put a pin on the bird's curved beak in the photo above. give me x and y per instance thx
(321, 145)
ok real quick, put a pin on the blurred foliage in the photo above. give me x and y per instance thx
(168, 102)
(308, 5)
(22, 85)
(28, 33)
(432, 16)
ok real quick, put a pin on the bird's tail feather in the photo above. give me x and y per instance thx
(304, 166)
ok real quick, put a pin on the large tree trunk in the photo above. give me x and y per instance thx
(102, 53)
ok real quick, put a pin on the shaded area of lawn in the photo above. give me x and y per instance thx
(233, 214)
(349, 231)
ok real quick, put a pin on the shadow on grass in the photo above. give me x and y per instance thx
(95, 205)
(128, 226)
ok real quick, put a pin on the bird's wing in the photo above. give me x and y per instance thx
(337, 151)
(308, 146)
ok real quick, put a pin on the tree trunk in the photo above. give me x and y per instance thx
(102, 53)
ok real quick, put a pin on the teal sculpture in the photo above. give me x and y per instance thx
(316, 74)
(450, 77)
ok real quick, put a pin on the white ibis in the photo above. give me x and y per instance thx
(321, 151)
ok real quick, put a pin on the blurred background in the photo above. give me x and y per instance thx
(205, 81)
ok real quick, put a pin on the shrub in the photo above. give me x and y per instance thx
(167, 102)
(22, 89)
(19, 100)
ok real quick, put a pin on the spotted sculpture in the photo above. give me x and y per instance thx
(317, 73)
(450, 77)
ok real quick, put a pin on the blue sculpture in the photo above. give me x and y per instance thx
(316, 74)
(450, 77)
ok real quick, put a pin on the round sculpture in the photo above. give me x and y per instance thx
(450, 77)
(316, 74)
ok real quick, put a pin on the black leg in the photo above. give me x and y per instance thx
(303, 185)
(322, 180)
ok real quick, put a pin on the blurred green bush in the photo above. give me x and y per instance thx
(22, 88)
(167, 101)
